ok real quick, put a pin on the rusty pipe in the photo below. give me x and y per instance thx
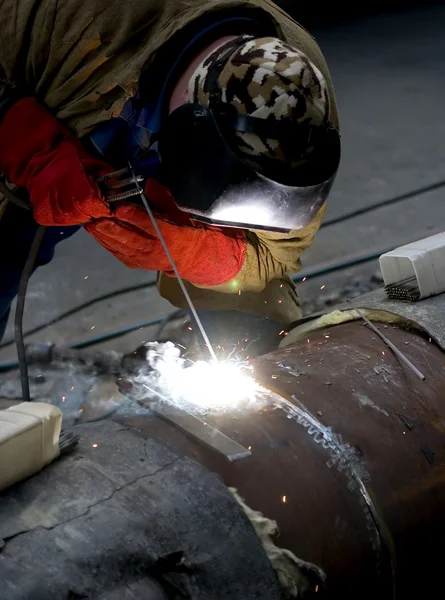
(348, 457)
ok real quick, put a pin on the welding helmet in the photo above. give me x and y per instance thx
(209, 160)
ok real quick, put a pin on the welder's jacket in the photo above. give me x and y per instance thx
(84, 58)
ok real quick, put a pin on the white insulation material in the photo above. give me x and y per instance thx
(29, 440)
(423, 260)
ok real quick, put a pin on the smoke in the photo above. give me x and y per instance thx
(196, 386)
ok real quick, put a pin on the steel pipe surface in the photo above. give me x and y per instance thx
(351, 466)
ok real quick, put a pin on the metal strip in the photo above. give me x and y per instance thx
(198, 429)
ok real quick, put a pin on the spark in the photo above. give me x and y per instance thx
(204, 385)
(404, 432)
(249, 448)
(384, 353)
(190, 328)
(86, 277)
(72, 389)
(316, 588)
(94, 445)
(308, 341)
(63, 398)
(181, 346)
(281, 332)
(280, 301)
(304, 279)
(322, 287)
(281, 285)
(93, 326)
(239, 292)
(274, 376)
(284, 499)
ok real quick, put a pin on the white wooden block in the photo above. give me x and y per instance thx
(424, 260)
(29, 440)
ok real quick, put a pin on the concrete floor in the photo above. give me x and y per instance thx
(389, 75)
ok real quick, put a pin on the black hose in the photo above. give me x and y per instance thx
(168, 319)
(388, 202)
(20, 309)
(327, 222)
(337, 265)
(91, 341)
(9, 195)
(316, 271)
(80, 307)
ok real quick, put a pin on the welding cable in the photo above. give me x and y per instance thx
(98, 339)
(327, 222)
(321, 269)
(337, 265)
(80, 307)
(171, 317)
(316, 271)
(20, 309)
(9, 195)
(387, 202)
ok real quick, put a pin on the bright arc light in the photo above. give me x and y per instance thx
(217, 385)
(206, 386)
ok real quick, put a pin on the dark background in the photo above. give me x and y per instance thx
(322, 13)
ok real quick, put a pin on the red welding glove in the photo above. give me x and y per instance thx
(39, 154)
(43, 156)
(204, 256)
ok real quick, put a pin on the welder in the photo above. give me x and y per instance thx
(226, 112)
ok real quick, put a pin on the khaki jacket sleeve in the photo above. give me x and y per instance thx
(270, 255)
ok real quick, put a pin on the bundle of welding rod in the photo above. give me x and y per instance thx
(408, 289)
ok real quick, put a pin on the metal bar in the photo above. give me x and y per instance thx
(388, 342)
(121, 183)
(203, 432)
(174, 267)
(113, 175)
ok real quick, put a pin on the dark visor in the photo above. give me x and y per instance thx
(210, 182)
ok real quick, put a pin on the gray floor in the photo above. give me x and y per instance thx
(389, 74)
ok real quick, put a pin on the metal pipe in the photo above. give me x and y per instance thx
(347, 456)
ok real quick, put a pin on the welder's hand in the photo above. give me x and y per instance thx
(204, 256)
(41, 155)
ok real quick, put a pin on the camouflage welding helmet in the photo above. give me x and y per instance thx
(254, 148)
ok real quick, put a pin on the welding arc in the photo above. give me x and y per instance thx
(174, 267)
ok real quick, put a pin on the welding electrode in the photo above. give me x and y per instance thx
(173, 264)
